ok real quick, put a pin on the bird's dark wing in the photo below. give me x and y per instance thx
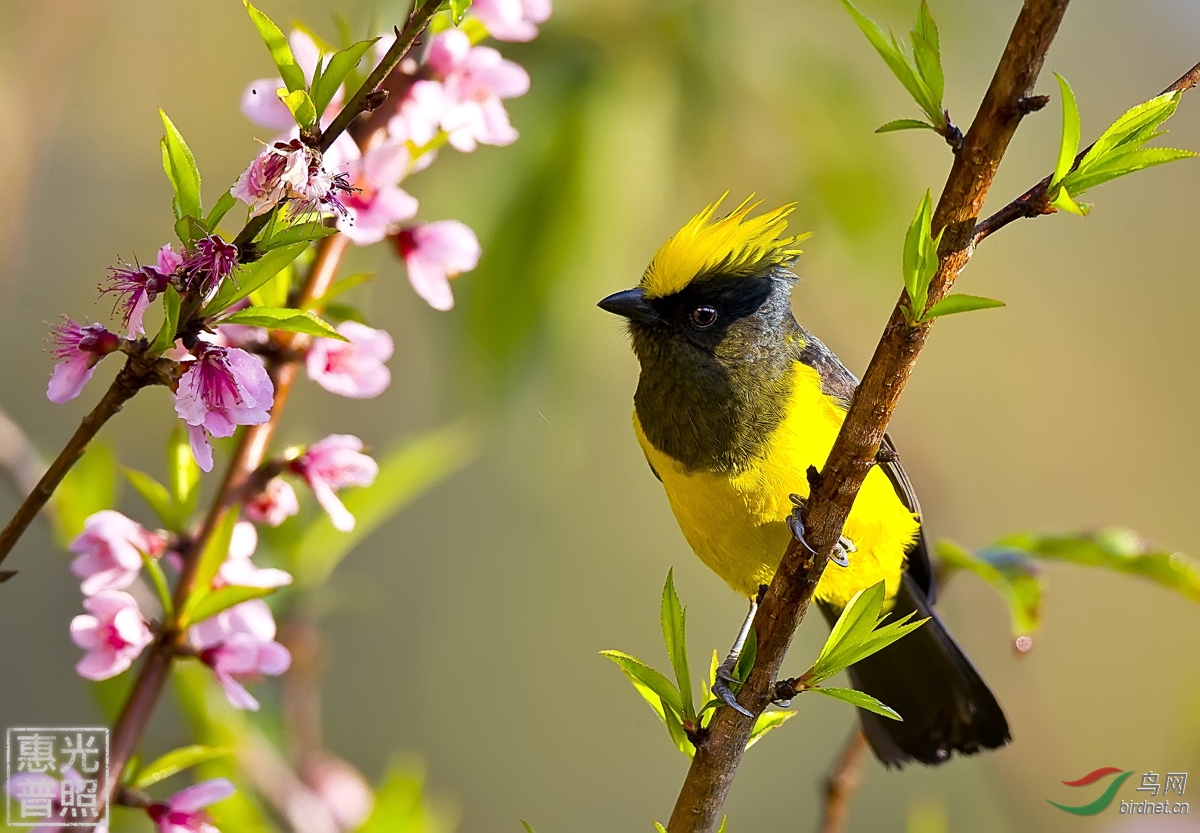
(840, 383)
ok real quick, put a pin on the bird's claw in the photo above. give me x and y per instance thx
(721, 689)
(841, 552)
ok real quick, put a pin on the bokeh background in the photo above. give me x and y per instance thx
(465, 633)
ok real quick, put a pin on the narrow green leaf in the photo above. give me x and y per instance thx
(291, 320)
(165, 339)
(1132, 123)
(226, 201)
(745, 663)
(889, 49)
(132, 767)
(920, 256)
(863, 701)
(277, 45)
(183, 475)
(904, 124)
(300, 233)
(678, 735)
(404, 473)
(339, 66)
(1068, 146)
(857, 620)
(724, 824)
(1010, 572)
(674, 629)
(250, 277)
(299, 105)
(528, 827)
(767, 722)
(952, 304)
(346, 283)
(658, 828)
(873, 642)
(91, 485)
(638, 671)
(180, 167)
(1121, 163)
(156, 496)
(458, 10)
(174, 762)
(927, 53)
(1063, 202)
(214, 554)
(223, 598)
(159, 580)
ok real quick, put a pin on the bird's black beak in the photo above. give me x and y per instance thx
(630, 304)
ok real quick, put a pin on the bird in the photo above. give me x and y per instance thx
(734, 403)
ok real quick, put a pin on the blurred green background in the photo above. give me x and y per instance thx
(467, 631)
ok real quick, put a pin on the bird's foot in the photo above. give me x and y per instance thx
(841, 551)
(721, 689)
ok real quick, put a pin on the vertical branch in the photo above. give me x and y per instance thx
(842, 782)
(698, 807)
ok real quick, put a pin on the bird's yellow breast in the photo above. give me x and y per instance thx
(736, 521)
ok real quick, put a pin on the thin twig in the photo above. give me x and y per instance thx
(842, 782)
(1033, 203)
(716, 761)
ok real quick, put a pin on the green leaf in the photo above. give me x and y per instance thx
(920, 257)
(658, 686)
(1117, 549)
(291, 320)
(174, 762)
(528, 827)
(767, 722)
(156, 496)
(401, 806)
(906, 73)
(678, 735)
(658, 828)
(1131, 125)
(904, 124)
(165, 339)
(346, 283)
(856, 622)
(159, 580)
(863, 701)
(405, 472)
(183, 475)
(927, 53)
(746, 658)
(1063, 202)
(299, 105)
(952, 304)
(215, 552)
(1068, 146)
(249, 277)
(339, 66)
(674, 629)
(91, 485)
(1013, 575)
(1121, 163)
(223, 598)
(224, 203)
(300, 233)
(458, 10)
(277, 45)
(180, 167)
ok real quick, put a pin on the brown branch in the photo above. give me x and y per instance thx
(1033, 203)
(842, 782)
(716, 761)
(139, 371)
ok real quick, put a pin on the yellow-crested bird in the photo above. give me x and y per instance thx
(734, 403)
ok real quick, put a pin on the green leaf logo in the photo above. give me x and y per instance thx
(1106, 798)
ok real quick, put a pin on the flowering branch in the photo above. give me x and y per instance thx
(855, 451)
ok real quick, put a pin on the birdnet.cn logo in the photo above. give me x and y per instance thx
(1171, 785)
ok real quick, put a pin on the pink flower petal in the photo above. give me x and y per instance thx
(69, 378)
(201, 795)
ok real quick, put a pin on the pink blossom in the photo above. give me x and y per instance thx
(46, 792)
(109, 551)
(112, 632)
(274, 504)
(419, 116)
(211, 261)
(136, 287)
(377, 204)
(224, 387)
(334, 463)
(343, 791)
(184, 811)
(289, 170)
(512, 20)
(353, 368)
(474, 80)
(78, 349)
(238, 570)
(239, 643)
(433, 254)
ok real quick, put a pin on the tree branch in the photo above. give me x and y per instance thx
(1033, 203)
(786, 602)
(841, 782)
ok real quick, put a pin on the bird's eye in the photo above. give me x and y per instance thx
(704, 316)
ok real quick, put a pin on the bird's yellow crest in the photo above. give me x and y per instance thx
(732, 245)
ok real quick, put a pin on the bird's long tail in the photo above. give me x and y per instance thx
(926, 677)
